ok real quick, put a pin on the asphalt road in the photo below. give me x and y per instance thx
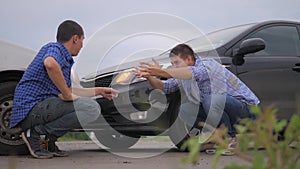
(88, 155)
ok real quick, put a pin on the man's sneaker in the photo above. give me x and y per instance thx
(32, 140)
(233, 144)
(209, 148)
(54, 150)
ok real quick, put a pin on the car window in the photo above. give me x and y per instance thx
(216, 39)
(280, 40)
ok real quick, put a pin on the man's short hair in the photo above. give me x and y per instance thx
(183, 51)
(67, 29)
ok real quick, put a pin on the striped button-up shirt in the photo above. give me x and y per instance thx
(211, 77)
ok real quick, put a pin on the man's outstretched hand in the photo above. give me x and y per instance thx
(147, 70)
(107, 92)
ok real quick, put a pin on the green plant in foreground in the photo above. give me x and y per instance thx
(257, 134)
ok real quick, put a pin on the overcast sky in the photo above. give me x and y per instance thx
(33, 23)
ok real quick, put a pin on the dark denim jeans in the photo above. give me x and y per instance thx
(55, 117)
(215, 110)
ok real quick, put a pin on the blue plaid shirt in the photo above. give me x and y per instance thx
(211, 77)
(36, 85)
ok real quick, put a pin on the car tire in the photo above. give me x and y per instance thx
(10, 138)
(115, 140)
(180, 132)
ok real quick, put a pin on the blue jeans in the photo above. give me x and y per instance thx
(192, 114)
(55, 117)
(216, 109)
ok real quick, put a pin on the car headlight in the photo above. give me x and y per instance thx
(126, 77)
(123, 77)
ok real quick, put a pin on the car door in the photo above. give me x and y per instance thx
(273, 73)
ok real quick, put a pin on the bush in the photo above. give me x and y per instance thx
(256, 134)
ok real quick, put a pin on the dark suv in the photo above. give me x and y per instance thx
(265, 55)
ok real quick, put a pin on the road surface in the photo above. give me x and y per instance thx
(88, 155)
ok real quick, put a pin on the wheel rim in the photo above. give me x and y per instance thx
(10, 136)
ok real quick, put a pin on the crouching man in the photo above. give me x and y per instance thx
(44, 101)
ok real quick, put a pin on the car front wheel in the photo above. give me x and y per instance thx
(10, 139)
(180, 132)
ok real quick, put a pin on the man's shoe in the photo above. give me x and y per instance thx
(208, 146)
(54, 150)
(32, 140)
(233, 144)
(58, 153)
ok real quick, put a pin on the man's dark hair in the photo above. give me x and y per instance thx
(183, 51)
(67, 29)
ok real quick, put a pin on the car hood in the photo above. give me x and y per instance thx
(163, 59)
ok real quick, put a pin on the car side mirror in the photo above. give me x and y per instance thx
(246, 47)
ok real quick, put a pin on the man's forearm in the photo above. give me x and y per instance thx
(155, 83)
(85, 92)
(179, 73)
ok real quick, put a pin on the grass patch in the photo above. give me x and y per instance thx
(74, 136)
(156, 139)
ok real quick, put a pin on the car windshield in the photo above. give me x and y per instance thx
(200, 44)
(216, 39)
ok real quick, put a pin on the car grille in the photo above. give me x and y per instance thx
(100, 82)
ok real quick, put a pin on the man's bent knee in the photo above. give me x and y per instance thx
(87, 110)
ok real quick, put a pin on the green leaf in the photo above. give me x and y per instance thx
(193, 146)
(295, 122)
(259, 162)
(241, 129)
(217, 157)
(256, 110)
(279, 126)
(244, 143)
